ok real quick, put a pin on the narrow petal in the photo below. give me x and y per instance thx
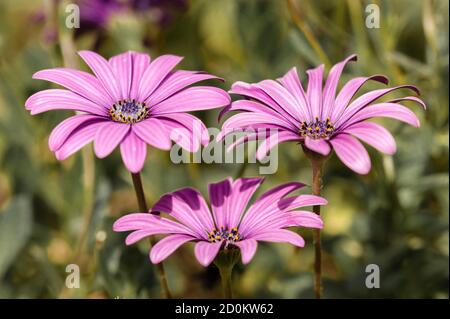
(133, 151)
(319, 146)
(108, 136)
(218, 195)
(103, 71)
(180, 134)
(153, 132)
(77, 139)
(248, 249)
(348, 92)
(80, 82)
(241, 192)
(122, 66)
(302, 218)
(63, 130)
(166, 246)
(140, 63)
(390, 110)
(250, 120)
(177, 81)
(314, 91)
(294, 202)
(193, 99)
(292, 83)
(329, 91)
(281, 236)
(57, 99)
(155, 73)
(272, 141)
(352, 153)
(206, 252)
(375, 135)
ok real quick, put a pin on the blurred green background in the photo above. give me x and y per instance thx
(56, 213)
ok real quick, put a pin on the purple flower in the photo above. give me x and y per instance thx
(129, 102)
(226, 225)
(318, 118)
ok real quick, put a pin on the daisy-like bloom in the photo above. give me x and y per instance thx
(319, 118)
(131, 101)
(228, 224)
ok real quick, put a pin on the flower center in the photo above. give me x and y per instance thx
(229, 236)
(316, 129)
(129, 111)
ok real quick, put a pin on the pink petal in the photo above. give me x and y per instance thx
(63, 130)
(248, 249)
(79, 138)
(206, 252)
(155, 74)
(307, 219)
(351, 152)
(375, 135)
(314, 91)
(177, 81)
(122, 66)
(103, 71)
(180, 134)
(294, 202)
(252, 120)
(153, 132)
(218, 195)
(80, 82)
(411, 99)
(166, 246)
(193, 99)
(281, 236)
(274, 140)
(57, 99)
(319, 146)
(329, 91)
(140, 64)
(133, 151)
(241, 192)
(390, 110)
(364, 100)
(348, 92)
(108, 136)
(292, 83)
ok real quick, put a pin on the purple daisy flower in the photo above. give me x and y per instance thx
(228, 224)
(317, 117)
(129, 102)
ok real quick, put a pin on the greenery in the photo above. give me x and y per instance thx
(395, 217)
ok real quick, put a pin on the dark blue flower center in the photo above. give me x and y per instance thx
(229, 236)
(316, 129)
(129, 111)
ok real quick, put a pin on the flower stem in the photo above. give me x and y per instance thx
(225, 261)
(140, 196)
(317, 166)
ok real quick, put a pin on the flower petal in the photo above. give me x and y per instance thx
(314, 90)
(134, 152)
(155, 73)
(206, 252)
(166, 246)
(57, 99)
(153, 132)
(294, 202)
(218, 195)
(108, 136)
(319, 146)
(140, 64)
(352, 153)
(63, 130)
(302, 218)
(280, 236)
(80, 82)
(77, 139)
(248, 249)
(122, 66)
(375, 135)
(273, 140)
(292, 83)
(192, 99)
(103, 71)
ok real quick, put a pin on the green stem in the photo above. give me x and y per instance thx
(140, 196)
(225, 261)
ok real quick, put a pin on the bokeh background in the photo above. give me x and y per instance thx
(57, 213)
